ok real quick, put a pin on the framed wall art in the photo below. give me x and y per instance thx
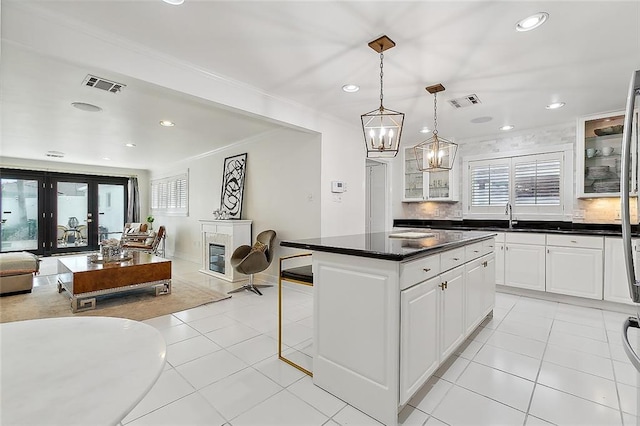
(233, 185)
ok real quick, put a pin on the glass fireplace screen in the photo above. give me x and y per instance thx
(216, 258)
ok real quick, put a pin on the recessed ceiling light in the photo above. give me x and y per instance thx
(507, 127)
(130, 145)
(350, 88)
(167, 123)
(532, 22)
(425, 129)
(106, 158)
(478, 120)
(86, 107)
(174, 2)
(555, 105)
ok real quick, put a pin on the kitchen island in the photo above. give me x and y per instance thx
(390, 308)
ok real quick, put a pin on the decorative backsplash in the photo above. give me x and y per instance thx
(597, 210)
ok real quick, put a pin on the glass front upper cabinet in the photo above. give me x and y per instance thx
(425, 186)
(599, 151)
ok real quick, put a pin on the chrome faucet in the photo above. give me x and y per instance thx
(509, 210)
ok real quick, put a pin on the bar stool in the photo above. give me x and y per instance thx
(299, 275)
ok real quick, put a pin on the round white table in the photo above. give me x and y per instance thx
(76, 370)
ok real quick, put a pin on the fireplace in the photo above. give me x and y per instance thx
(219, 239)
(217, 258)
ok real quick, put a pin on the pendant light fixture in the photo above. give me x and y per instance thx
(382, 127)
(436, 153)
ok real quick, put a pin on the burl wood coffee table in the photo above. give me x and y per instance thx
(86, 279)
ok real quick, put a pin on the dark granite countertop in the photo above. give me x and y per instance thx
(380, 245)
(520, 226)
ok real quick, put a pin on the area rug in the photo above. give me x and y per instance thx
(46, 302)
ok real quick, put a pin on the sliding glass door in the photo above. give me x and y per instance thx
(50, 213)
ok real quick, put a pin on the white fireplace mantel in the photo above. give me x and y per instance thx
(219, 239)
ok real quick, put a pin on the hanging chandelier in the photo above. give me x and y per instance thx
(382, 127)
(436, 153)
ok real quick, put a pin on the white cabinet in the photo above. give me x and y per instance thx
(574, 265)
(616, 288)
(524, 260)
(599, 142)
(419, 321)
(480, 280)
(452, 317)
(410, 317)
(434, 313)
(426, 186)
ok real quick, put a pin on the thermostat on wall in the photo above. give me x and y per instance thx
(338, 186)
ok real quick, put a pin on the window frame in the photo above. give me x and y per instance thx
(160, 199)
(563, 212)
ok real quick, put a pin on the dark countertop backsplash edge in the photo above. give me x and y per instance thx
(520, 226)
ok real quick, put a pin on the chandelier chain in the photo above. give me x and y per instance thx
(381, 74)
(435, 113)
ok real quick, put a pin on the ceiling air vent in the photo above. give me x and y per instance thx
(55, 154)
(465, 101)
(102, 83)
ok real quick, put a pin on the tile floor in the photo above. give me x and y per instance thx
(534, 363)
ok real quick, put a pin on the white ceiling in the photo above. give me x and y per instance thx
(305, 52)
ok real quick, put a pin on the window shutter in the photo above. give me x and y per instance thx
(537, 183)
(489, 184)
(170, 196)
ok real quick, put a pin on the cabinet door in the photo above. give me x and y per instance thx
(452, 327)
(474, 277)
(413, 188)
(574, 271)
(598, 155)
(479, 290)
(419, 318)
(524, 266)
(489, 284)
(499, 262)
(441, 186)
(616, 288)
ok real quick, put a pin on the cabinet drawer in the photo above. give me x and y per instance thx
(452, 258)
(473, 251)
(525, 238)
(582, 241)
(488, 246)
(419, 270)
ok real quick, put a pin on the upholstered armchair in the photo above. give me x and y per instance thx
(250, 260)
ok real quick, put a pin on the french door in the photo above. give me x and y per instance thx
(50, 213)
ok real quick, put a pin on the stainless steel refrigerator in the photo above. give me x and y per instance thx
(634, 284)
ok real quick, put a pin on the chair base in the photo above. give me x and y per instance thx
(251, 287)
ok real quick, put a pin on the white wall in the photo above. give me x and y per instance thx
(281, 192)
(342, 147)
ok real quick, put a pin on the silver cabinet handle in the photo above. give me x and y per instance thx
(426, 269)
(456, 258)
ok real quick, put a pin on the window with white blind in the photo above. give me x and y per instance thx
(537, 182)
(532, 184)
(170, 195)
(489, 184)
